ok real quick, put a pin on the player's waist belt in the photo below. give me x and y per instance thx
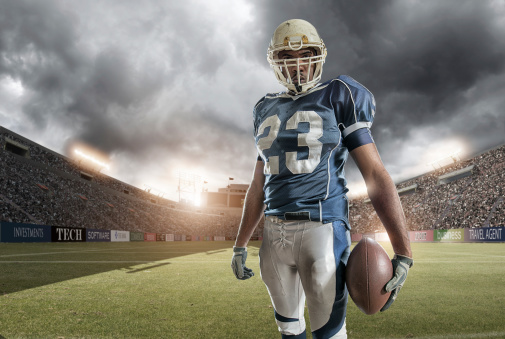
(295, 216)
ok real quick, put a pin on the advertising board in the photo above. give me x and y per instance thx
(136, 236)
(485, 234)
(149, 236)
(119, 236)
(97, 235)
(452, 235)
(15, 232)
(68, 234)
(421, 236)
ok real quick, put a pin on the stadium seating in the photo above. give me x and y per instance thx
(471, 201)
(48, 188)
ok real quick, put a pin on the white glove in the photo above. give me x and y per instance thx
(238, 263)
(401, 265)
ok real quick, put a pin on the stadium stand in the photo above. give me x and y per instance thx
(40, 186)
(466, 194)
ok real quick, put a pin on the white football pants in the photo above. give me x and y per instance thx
(306, 260)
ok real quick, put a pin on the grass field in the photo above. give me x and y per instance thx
(187, 290)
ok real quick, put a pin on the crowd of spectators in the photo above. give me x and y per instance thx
(47, 188)
(473, 200)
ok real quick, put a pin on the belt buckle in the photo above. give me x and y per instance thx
(297, 216)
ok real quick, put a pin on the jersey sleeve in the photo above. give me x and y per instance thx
(255, 115)
(357, 115)
(256, 123)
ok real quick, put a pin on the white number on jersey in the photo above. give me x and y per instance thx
(309, 140)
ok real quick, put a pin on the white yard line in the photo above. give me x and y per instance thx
(464, 336)
(475, 254)
(206, 260)
(462, 261)
(107, 261)
(65, 252)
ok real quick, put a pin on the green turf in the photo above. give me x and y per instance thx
(187, 290)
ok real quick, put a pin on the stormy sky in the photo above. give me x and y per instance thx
(164, 87)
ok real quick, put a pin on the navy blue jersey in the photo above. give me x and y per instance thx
(304, 142)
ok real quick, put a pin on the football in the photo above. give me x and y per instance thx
(368, 270)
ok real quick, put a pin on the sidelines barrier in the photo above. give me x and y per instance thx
(356, 237)
(483, 234)
(421, 236)
(149, 236)
(19, 232)
(67, 234)
(12, 232)
(136, 236)
(120, 236)
(97, 235)
(486, 234)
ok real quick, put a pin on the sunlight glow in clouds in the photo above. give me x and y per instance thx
(12, 86)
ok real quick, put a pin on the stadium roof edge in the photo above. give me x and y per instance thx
(2, 129)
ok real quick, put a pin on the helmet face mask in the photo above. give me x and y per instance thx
(297, 74)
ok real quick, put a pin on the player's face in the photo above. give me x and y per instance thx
(306, 74)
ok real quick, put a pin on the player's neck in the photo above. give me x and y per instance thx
(294, 93)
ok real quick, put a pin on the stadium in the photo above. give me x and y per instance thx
(47, 198)
(42, 187)
(128, 136)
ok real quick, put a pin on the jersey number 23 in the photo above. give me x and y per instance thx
(309, 140)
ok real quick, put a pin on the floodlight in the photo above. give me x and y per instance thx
(454, 156)
(91, 159)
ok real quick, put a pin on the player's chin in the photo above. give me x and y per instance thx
(302, 82)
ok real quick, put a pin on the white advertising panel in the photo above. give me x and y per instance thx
(119, 236)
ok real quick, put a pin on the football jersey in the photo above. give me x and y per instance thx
(304, 142)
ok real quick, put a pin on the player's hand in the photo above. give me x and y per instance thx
(401, 265)
(238, 263)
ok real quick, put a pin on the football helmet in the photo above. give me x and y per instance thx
(296, 34)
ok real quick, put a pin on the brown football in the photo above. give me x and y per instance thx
(368, 270)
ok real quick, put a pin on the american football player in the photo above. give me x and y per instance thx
(304, 137)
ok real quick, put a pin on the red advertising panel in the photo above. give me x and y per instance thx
(149, 236)
(421, 236)
(356, 237)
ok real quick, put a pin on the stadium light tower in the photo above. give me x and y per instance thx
(190, 186)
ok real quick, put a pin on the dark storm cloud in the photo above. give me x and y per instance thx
(180, 78)
(420, 60)
(37, 48)
(112, 96)
(43, 45)
(36, 31)
(428, 52)
(435, 53)
(136, 80)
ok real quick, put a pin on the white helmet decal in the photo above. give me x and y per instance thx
(294, 35)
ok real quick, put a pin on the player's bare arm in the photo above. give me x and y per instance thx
(251, 216)
(384, 197)
(253, 207)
